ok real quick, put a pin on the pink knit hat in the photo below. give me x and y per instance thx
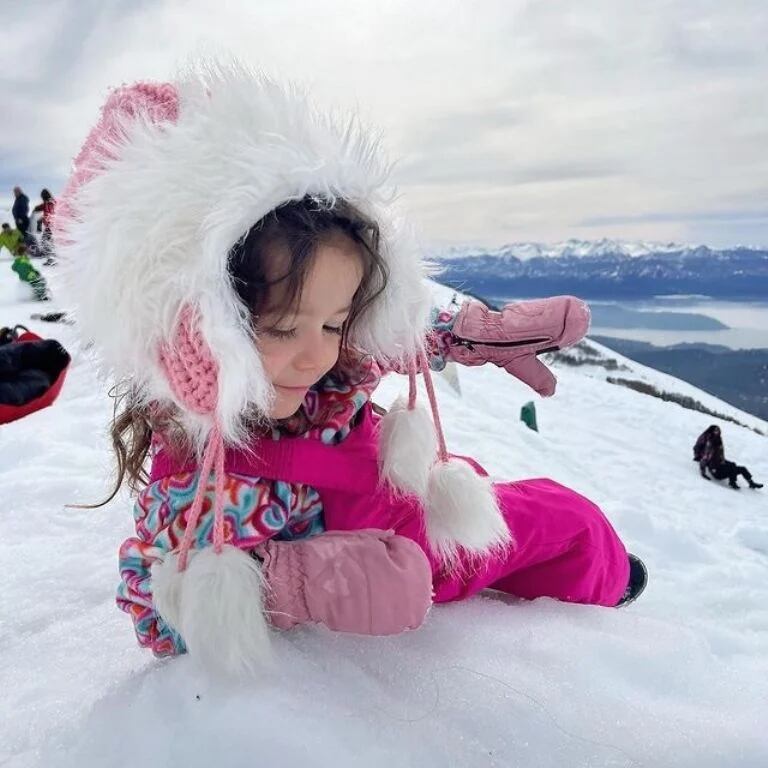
(154, 102)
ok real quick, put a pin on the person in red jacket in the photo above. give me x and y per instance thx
(47, 208)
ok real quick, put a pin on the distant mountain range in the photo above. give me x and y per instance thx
(738, 376)
(607, 269)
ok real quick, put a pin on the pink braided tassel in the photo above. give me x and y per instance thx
(441, 447)
(214, 452)
(412, 385)
(192, 374)
(218, 509)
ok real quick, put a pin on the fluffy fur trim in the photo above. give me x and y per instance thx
(151, 231)
(216, 605)
(462, 513)
(407, 447)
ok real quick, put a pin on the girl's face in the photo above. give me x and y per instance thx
(298, 349)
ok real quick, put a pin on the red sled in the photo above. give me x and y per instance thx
(32, 372)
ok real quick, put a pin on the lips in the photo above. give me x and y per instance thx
(293, 389)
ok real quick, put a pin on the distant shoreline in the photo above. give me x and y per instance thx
(667, 322)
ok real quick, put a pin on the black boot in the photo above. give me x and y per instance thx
(753, 484)
(638, 578)
(734, 485)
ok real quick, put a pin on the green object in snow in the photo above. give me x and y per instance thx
(28, 274)
(528, 415)
(24, 269)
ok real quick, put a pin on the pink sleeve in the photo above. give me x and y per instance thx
(256, 510)
(134, 593)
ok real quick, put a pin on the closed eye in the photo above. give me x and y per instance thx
(276, 333)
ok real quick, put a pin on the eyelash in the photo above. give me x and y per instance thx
(276, 333)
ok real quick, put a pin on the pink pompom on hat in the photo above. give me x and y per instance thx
(154, 102)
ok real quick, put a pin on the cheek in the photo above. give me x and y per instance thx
(277, 357)
(272, 358)
(331, 351)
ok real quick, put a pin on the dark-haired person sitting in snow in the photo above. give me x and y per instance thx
(710, 454)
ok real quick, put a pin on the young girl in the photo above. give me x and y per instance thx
(238, 259)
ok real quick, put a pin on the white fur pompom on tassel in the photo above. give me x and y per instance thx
(407, 447)
(462, 514)
(217, 607)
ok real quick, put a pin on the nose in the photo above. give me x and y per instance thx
(312, 355)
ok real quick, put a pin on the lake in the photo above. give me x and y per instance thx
(668, 320)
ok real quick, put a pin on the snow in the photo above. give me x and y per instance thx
(680, 678)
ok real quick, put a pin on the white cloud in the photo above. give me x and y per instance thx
(512, 120)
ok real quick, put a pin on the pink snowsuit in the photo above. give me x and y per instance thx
(565, 547)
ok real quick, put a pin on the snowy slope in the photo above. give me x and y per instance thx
(678, 679)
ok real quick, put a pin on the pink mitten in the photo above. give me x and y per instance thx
(369, 582)
(514, 337)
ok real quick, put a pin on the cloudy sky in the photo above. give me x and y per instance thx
(511, 120)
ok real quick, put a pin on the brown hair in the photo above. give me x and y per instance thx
(298, 227)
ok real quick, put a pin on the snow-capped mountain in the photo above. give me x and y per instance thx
(607, 269)
(678, 679)
(575, 247)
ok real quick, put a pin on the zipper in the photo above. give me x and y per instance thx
(470, 344)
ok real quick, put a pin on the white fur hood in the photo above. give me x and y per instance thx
(146, 231)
